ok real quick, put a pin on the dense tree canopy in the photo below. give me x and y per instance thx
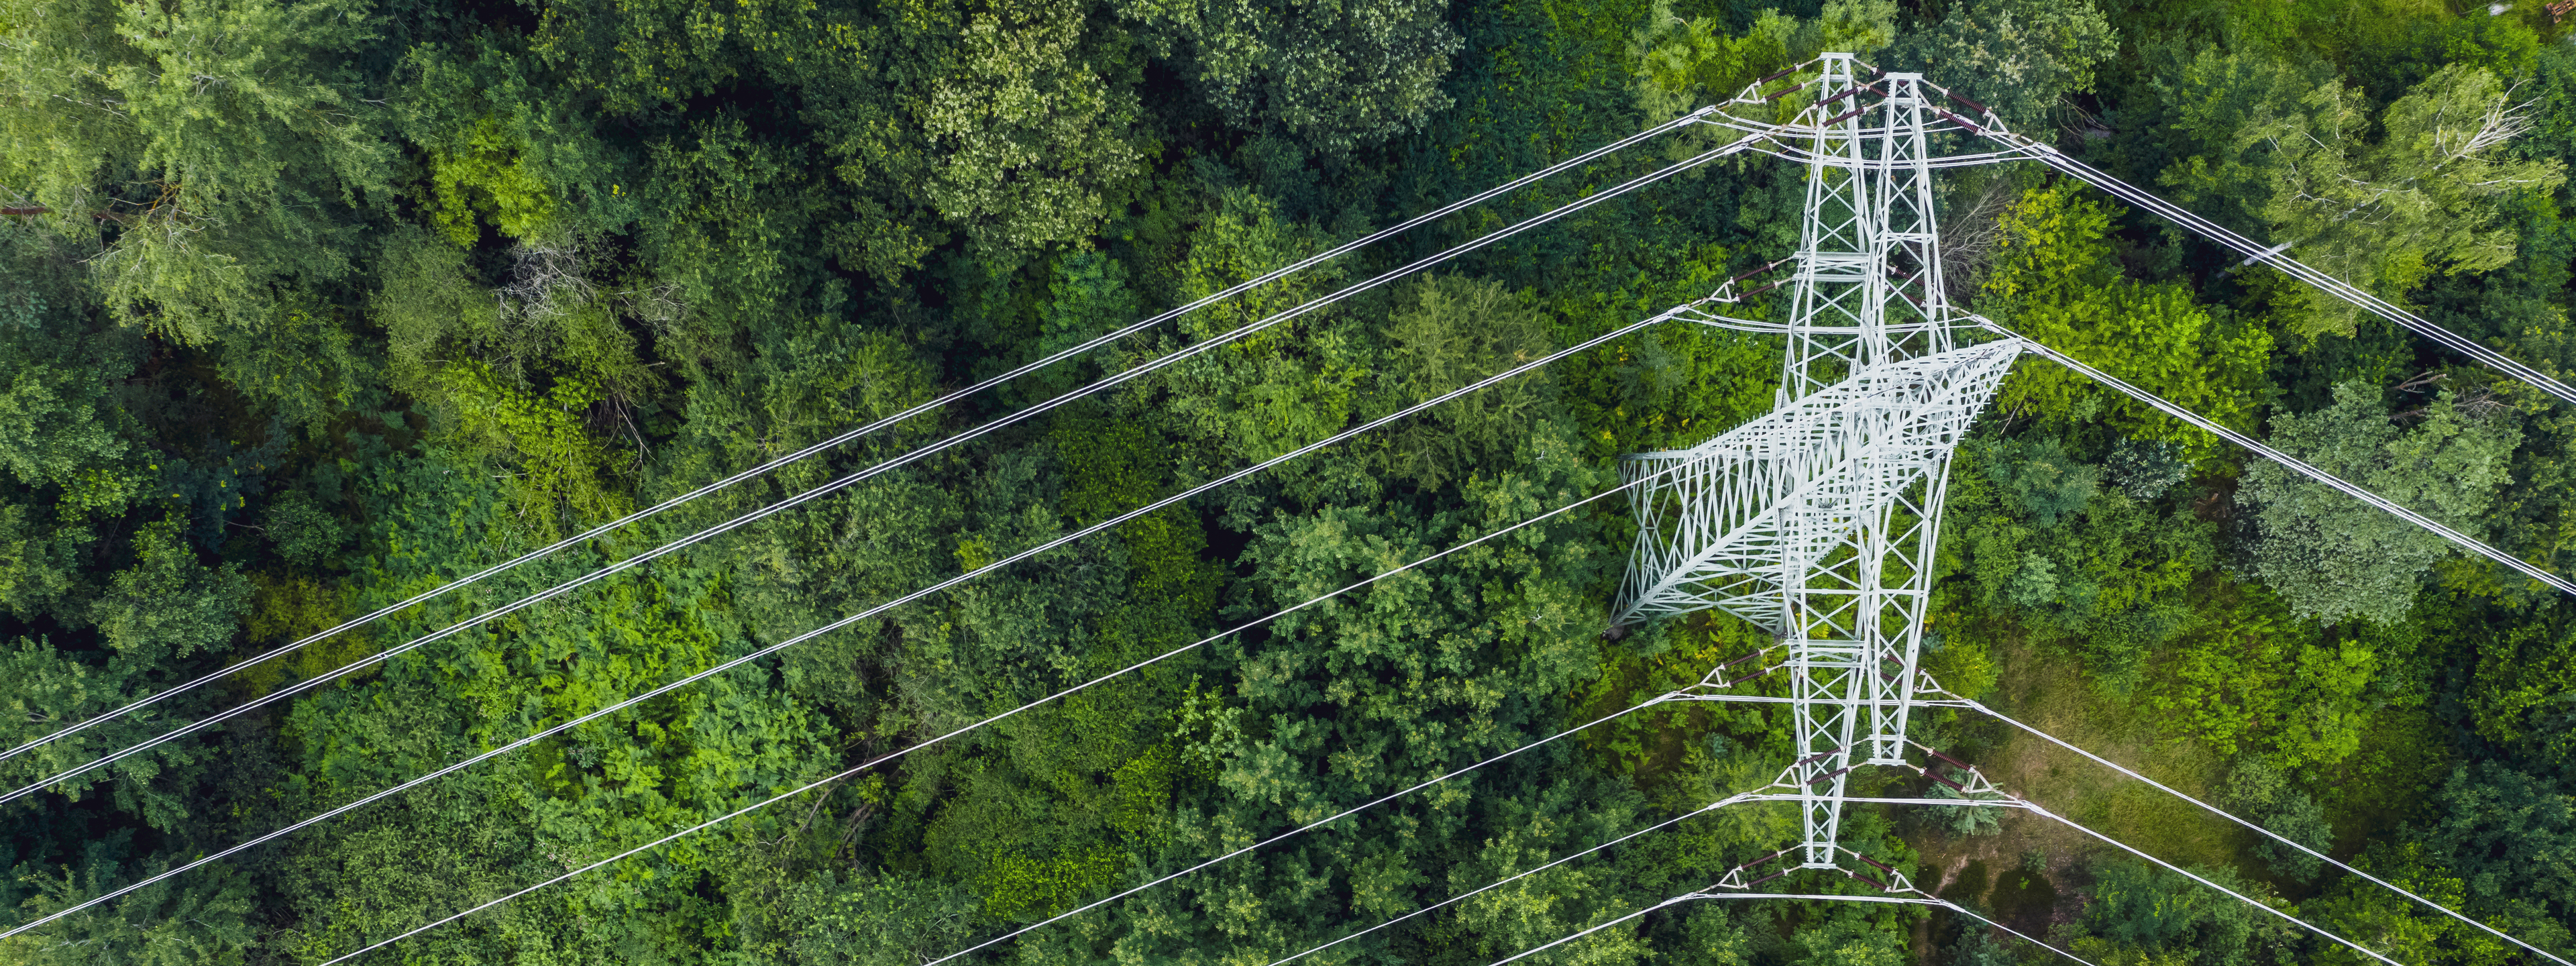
(309, 307)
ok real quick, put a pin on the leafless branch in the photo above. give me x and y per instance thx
(544, 279)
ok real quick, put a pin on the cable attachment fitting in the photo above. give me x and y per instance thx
(1976, 785)
(1735, 877)
(1726, 290)
(1717, 678)
(1896, 881)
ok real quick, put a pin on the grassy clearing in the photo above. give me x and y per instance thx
(2052, 694)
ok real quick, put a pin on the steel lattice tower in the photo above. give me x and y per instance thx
(1817, 521)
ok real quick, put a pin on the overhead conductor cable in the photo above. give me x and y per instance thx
(1515, 877)
(871, 427)
(2215, 810)
(2472, 544)
(2029, 806)
(1926, 899)
(2276, 258)
(871, 763)
(878, 469)
(1014, 558)
(1302, 829)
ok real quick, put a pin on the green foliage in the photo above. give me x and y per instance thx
(2055, 280)
(2020, 58)
(1711, 937)
(1027, 127)
(2511, 838)
(304, 365)
(866, 920)
(1089, 297)
(560, 464)
(58, 425)
(305, 534)
(487, 175)
(2335, 558)
(2400, 929)
(332, 303)
(2145, 469)
(1287, 386)
(2139, 908)
(1455, 332)
(2258, 787)
(2522, 700)
(168, 604)
(178, 923)
(2254, 680)
(1663, 388)
(1851, 940)
(2381, 201)
(1965, 819)
(2035, 539)
(1335, 76)
(290, 608)
(165, 608)
(222, 141)
(1114, 467)
(1686, 63)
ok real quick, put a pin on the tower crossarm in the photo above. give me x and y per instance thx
(1723, 524)
(1817, 522)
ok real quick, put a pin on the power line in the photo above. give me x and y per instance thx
(2033, 807)
(2011, 800)
(1696, 896)
(1535, 951)
(1014, 558)
(2018, 146)
(1515, 877)
(2015, 802)
(2215, 810)
(1927, 899)
(1291, 833)
(2348, 489)
(880, 468)
(871, 427)
(2256, 252)
(844, 775)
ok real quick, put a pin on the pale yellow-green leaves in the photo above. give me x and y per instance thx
(1335, 74)
(486, 175)
(215, 141)
(1685, 64)
(2382, 204)
(2054, 280)
(1025, 133)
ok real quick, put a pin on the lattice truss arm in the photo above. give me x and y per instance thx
(1818, 521)
(1766, 519)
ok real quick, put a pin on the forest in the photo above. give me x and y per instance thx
(346, 344)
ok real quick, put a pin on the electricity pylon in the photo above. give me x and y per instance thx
(1817, 521)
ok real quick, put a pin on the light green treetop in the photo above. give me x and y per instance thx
(1683, 64)
(2333, 557)
(2019, 57)
(1336, 75)
(2293, 153)
(220, 144)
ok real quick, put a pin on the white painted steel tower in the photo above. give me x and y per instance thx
(1817, 521)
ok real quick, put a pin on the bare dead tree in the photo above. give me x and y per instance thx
(546, 280)
(1969, 243)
